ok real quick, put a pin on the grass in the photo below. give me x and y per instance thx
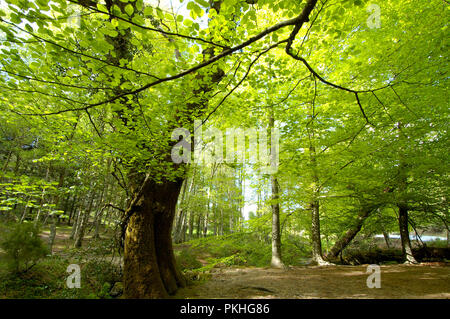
(240, 249)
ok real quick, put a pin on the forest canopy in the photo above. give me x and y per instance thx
(91, 93)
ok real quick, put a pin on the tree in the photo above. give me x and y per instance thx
(113, 87)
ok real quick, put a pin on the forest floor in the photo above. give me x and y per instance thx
(398, 281)
(426, 280)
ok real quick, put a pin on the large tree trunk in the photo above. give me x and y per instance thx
(149, 263)
(404, 234)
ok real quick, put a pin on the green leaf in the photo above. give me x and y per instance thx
(129, 9)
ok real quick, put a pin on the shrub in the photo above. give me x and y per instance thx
(23, 247)
(101, 275)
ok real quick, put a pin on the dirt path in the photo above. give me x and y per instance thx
(431, 280)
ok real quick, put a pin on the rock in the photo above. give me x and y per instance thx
(117, 290)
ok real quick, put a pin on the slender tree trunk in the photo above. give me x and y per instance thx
(75, 224)
(276, 235)
(98, 222)
(183, 232)
(24, 214)
(51, 238)
(215, 218)
(276, 238)
(5, 167)
(386, 239)
(317, 255)
(221, 222)
(84, 222)
(315, 234)
(17, 167)
(404, 234)
(79, 235)
(199, 221)
(448, 238)
(72, 213)
(351, 233)
(205, 224)
(180, 216)
(179, 227)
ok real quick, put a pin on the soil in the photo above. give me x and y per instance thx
(426, 280)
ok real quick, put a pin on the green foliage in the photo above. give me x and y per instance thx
(244, 249)
(100, 276)
(23, 247)
(88, 92)
(186, 259)
(45, 280)
(48, 280)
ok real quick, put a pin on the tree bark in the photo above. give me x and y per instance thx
(51, 237)
(386, 239)
(83, 223)
(149, 263)
(404, 235)
(79, 234)
(350, 234)
(276, 238)
(315, 234)
(76, 224)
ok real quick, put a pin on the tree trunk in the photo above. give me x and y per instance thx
(179, 227)
(79, 235)
(315, 234)
(350, 234)
(183, 232)
(149, 263)
(75, 224)
(276, 238)
(82, 225)
(72, 213)
(5, 167)
(180, 216)
(221, 222)
(199, 220)
(98, 222)
(51, 238)
(191, 225)
(386, 239)
(404, 235)
(448, 238)
(205, 225)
